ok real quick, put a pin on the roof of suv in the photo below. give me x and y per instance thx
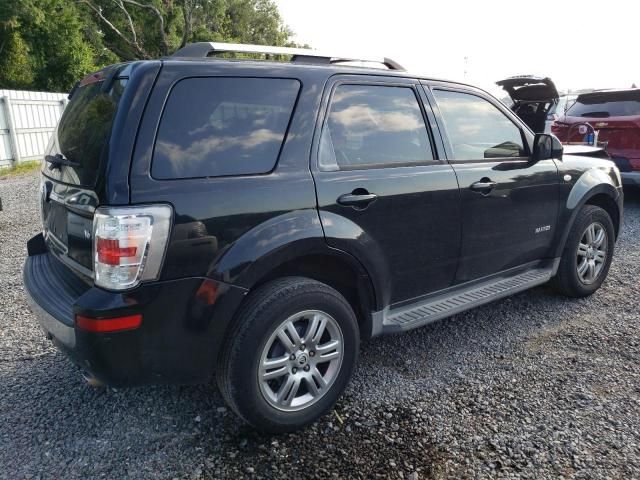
(207, 49)
(206, 52)
(606, 92)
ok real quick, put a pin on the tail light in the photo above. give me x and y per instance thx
(635, 163)
(129, 244)
(559, 129)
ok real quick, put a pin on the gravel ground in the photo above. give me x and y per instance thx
(535, 386)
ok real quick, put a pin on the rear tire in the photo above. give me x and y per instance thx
(587, 254)
(290, 354)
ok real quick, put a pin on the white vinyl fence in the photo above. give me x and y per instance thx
(27, 120)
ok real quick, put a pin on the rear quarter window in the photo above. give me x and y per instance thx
(214, 127)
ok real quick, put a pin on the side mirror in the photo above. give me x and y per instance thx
(546, 147)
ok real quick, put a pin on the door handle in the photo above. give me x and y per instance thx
(484, 186)
(357, 198)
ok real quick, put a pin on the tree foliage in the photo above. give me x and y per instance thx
(50, 44)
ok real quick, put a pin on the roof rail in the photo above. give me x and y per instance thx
(305, 55)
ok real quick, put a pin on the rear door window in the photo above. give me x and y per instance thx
(373, 126)
(215, 127)
(610, 104)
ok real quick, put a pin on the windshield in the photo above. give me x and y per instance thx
(82, 136)
(609, 104)
(562, 104)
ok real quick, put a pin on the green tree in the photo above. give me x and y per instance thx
(50, 44)
(45, 48)
(154, 28)
(16, 66)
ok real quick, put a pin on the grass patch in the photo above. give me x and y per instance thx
(21, 168)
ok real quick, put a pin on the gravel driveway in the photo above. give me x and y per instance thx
(535, 386)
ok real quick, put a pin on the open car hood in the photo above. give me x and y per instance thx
(529, 88)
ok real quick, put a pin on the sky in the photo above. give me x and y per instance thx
(579, 44)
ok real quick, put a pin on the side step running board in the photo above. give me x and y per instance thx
(449, 303)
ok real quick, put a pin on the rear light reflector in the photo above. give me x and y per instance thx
(635, 163)
(129, 244)
(110, 252)
(103, 325)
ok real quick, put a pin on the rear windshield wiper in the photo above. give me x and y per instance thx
(58, 160)
(595, 114)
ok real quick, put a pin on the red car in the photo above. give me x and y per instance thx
(615, 117)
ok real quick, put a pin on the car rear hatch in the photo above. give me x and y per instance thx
(615, 115)
(76, 159)
(533, 98)
(529, 88)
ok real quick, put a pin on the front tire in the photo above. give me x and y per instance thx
(290, 355)
(588, 253)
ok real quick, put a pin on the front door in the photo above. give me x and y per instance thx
(509, 204)
(381, 188)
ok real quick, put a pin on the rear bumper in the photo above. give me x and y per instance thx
(630, 178)
(53, 327)
(183, 324)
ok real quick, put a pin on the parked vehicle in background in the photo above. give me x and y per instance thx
(558, 110)
(256, 219)
(615, 117)
(535, 100)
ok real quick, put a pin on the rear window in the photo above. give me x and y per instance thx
(374, 126)
(610, 104)
(85, 126)
(215, 127)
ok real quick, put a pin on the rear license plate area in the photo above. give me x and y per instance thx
(55, 221)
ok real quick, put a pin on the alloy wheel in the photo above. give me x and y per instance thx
(592, 253)
(301, 360)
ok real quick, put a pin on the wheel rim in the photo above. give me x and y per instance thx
(301, 360)
(592, 253)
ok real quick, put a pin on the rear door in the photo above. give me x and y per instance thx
(381, 185)
(509, 205)
(77, 174)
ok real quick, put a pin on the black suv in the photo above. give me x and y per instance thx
(258, 219)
